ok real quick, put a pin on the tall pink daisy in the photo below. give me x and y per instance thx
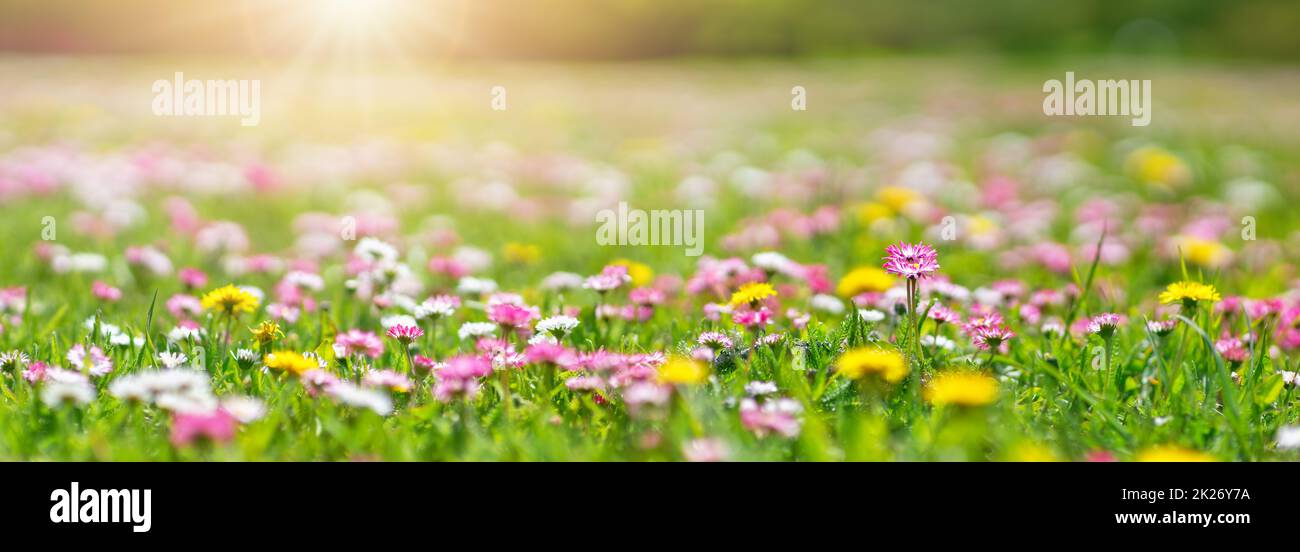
(405, 334)
(914, 262)
(911, 260)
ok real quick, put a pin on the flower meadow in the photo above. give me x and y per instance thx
(884, 279)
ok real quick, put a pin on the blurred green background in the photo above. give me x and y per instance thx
(623, 29)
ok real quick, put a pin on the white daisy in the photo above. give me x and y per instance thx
(244, 409)
(871, 316)
(172, 360)
(56, 393)
(558, 325)
(353, 395)
(476, 329)
(560, 281)
(827, 303)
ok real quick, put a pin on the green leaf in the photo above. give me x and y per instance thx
(1270, 390)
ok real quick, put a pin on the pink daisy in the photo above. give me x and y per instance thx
(944, 315)
(1232, 349)
(105, 292)
(715, 340)
(1105, 324)
(752, 318)
(911, 261)
(992, 337)
(357, 342)
(93, 361)
(193, 278)
(405, 334)
(547, 353)
(610, 278)
(778, 416)
(217, 426)
(390, 379)
(513, 316)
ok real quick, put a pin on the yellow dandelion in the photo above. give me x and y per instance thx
(980, 225)
(864, 279)
(961, 389)
(886, 364)
(1153, 165)
(521, 253)
(229, 300)
(266, 332)
(871, 212)
(752, 292)
(1173, 453)
(291, 362)
(640, 273)
(683, 371)
(897, 198)
(1202, 252)
(1031, 452)
(1189, 294)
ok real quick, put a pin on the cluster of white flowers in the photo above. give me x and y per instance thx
(773, 262)
(176, 389)
(244, 409)
(470, 285)
(759, 388)
(114, 334)
(561, 281)
(437, 307)
(871, 316)
(827, 303)
(476, 329)
(79, 262)
(354, 395)
(385, 276)
(76, 392)
(182, 333)
(558, 326)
